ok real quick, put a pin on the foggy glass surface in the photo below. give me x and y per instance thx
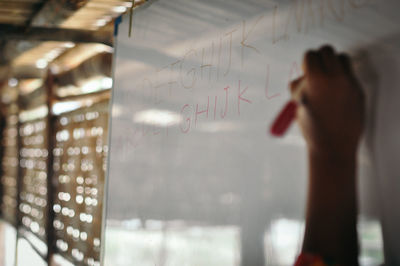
(194, 176)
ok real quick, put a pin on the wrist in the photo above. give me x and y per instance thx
(336, 155)
(333, 170)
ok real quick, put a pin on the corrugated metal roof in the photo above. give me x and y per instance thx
(41, 55)
(96, 15)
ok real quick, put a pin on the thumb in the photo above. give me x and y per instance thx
(295, 85)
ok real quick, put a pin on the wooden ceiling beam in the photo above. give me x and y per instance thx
(14, 5)
(16, 33)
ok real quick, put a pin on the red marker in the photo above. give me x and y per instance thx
(287, 115)
(284, 119)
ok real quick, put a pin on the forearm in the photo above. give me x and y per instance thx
(331, 207)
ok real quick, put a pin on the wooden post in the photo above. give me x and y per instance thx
(19, 179)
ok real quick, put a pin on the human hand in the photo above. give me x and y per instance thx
(332, 104)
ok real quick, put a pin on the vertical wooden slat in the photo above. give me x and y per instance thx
(50, 185)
